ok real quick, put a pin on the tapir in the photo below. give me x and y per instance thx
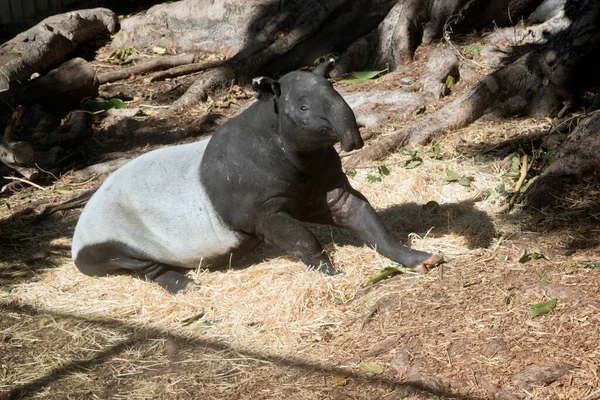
(257, 179)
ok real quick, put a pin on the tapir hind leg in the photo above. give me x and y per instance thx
(352, 211)
(105, 258)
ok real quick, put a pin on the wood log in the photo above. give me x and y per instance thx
(50, 42)
(62, 89)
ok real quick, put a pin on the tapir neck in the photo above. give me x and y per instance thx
(273, 136)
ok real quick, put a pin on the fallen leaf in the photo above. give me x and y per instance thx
(383, 274)
(340, 378)
(191, 320)
(543, 308)
(372, 368)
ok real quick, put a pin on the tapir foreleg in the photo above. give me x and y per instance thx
(351, 211)
(289, 234)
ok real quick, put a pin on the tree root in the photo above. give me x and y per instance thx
(184, 70)
(577, 157)
(164, 62)
(210, 81)
(457, 114)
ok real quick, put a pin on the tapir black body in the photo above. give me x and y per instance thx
(260, 176)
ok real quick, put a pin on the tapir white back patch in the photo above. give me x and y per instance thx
(157, 206)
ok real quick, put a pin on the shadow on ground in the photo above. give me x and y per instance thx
(140, 334)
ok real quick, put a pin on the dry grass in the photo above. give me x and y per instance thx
(275, 331)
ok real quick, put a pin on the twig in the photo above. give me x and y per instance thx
(524, 169)
(25, 181)
(150, 106)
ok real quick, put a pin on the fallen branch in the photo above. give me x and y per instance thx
(14, 178)
(148, 66)
(183, 70)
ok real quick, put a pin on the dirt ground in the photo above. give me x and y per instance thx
(268, 329)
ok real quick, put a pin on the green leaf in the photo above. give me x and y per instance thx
(351, 172)
(191, 320)
(450, 81)
(364, 76)
(369, 74)
(542, 308)
(473, 50)
(372, 368)
(208, 323)
(588, 265)
(531, 255)
(117, 103)
(63, 191)
(383, 170)
(515, 163)
(452, 176)
(373, 178)
(464, 182)
(413, 163)
(99, 106)
(387, 272)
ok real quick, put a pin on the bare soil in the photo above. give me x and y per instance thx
(268, 329)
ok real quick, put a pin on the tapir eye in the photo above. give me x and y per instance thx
(304, 108)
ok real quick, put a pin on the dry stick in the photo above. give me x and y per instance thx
(152, 65)
(25, 181)
(184, 70)
(524, 169)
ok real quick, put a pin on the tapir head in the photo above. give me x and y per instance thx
(312, 114)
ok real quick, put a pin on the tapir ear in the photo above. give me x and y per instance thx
(267, 88)
(325, 67)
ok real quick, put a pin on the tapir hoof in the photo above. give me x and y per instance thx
(431, 262)
(175, 282)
